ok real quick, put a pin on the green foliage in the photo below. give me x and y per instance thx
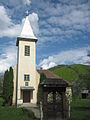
(1, 85)
(8, 86)
(28, 113)
(65, 72)
(82, 83)
(77, 74)
(71, 72)
(13, 113)
(81, 69)
(1, 101)
(10, 83)
(80, 109)
(85, 80)
(40, 91)
(5, 85)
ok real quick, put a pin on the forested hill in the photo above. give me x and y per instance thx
(73, 72)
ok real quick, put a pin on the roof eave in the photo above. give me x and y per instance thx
(25, 39)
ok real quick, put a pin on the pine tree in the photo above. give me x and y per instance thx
(10, 83)
(8, 86)
(5, 86)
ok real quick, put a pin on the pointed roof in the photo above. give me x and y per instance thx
(27, 31)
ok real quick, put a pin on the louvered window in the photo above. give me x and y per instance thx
(27, 50)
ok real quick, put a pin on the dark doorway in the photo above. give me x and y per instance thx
(84, 95)
(26, 96)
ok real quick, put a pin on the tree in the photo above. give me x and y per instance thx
(1, 85)
(8, 86)
(10, 83)
(40, 91)
(83, 82)
(5, 86)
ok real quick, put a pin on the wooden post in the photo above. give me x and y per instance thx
(63, 105)
(45, 104)
(41, 111)
(54, 100)
(69, 107)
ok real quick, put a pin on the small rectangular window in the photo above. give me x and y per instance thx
(27, 50)
(26, 83)
(26, 77)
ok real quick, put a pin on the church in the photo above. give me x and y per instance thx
(26, 77)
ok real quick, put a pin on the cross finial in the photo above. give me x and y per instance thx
(27, 13)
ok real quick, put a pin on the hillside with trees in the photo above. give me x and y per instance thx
(77, 74)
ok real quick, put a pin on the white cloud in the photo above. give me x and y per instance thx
(8, 58)
(78, 56)
(27, 2)
(16, 3)
(34, 22)
(49, 65)
(9, 29)
(65, 19)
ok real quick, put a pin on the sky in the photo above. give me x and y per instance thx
(61, 26)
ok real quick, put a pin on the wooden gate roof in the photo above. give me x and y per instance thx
(53, 80)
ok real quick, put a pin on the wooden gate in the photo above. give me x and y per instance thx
(54, 107)
(54, 98)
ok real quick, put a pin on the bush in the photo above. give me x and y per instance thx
(1, 101)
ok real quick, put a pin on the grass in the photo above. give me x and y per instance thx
(71, 72)
(81, 69)
(80, 109)
(65, 72)
(12, 113)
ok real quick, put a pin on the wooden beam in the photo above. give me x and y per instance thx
(63, 105)
(45, 104)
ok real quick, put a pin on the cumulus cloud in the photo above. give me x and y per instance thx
(65, 19)
(77, 56)
(16, 3)
(10, 29)
(7, 27)
(8, 58)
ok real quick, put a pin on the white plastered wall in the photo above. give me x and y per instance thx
(26, 65)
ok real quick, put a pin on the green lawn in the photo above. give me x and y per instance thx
(12, 113)
(80, 110)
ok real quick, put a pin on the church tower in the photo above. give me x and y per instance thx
(26, 91)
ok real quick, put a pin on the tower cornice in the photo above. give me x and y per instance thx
(25, 39)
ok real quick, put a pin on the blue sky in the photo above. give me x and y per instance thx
(62, 28)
